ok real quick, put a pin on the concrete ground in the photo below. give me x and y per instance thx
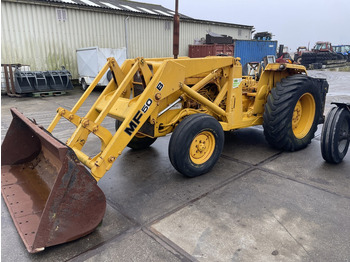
(257, 204)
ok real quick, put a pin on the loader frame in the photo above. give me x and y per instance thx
(170, 90)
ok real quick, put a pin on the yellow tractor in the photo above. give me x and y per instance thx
(52, 197)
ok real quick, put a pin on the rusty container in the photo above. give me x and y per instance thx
(50, 195)
(210, 50)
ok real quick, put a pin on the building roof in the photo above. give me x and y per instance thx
(126, 6)
(118, 5)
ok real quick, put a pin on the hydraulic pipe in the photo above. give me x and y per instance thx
(201, 99)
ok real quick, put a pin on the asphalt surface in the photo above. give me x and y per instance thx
(257, 204)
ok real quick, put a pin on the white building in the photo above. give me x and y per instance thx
(45, 34)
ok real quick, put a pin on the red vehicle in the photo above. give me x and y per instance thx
(298, 54)
(323, 47)
(285, 58)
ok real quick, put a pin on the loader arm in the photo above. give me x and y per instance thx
(163, 84)
(158, 86)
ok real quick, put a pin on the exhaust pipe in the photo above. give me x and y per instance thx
(176, 30)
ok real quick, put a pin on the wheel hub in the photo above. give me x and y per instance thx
(297, 114)
(303, 115)
(344, 136)
(202, 147)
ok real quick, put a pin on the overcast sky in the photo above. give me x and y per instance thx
(293, 23)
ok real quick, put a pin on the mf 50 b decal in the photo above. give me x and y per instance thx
(160, 86)
(136, 119)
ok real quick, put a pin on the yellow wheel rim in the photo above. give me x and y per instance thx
(303, 115)
(202, 147)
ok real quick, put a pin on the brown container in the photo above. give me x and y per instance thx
(210, 50)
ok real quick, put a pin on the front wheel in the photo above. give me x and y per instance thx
(335, 137)
(292, 113)
(139, 141)
(196, 145)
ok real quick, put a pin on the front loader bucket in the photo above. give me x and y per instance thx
(51, 196)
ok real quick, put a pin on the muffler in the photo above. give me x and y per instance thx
(51, 196)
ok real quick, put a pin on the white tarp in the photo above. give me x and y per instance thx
(92, 59)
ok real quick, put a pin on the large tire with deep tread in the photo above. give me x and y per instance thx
(340, 57)
(196, 145)
(139, 141)
(321, 58)
(335, 135)
(308, 58)
(292, 113)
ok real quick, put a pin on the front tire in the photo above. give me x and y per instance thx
(292, 113)
(335, 135)
(139, 141)
(196, 145)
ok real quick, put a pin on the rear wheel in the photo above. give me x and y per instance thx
(298, 60)
(292, 112)
(196, 145)
(139, 141)
(335, 135)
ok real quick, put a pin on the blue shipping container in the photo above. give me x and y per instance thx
(254, 50)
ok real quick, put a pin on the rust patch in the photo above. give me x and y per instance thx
(51, 198)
